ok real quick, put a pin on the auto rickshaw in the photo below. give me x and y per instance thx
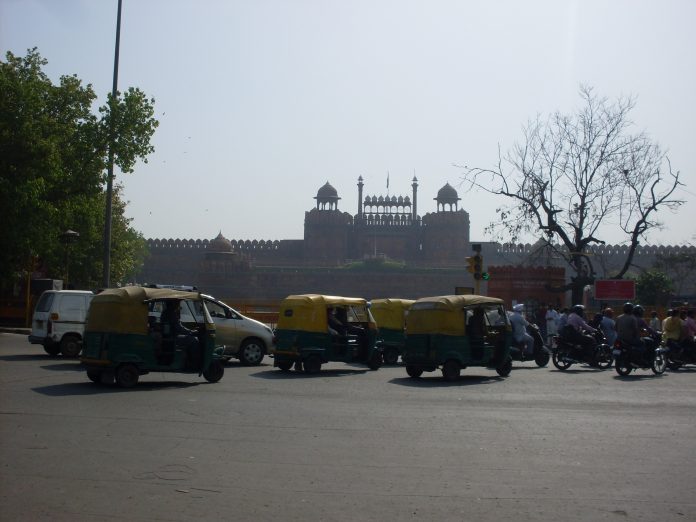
(390, 315)
(127, 335)
(315, 329)
(453, 332)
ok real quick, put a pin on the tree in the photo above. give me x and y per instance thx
(53, 153)
(653, 287)
(681, 268)
(574, 175)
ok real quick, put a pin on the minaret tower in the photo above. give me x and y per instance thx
(415, 198)
(360, 197)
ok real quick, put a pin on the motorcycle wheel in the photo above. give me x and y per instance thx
(659, 364)
(603, 357)
(623, 367)
(557, 359)
(542, 358)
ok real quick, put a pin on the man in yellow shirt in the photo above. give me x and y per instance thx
(672, 327)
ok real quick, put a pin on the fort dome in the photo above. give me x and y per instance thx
(327, 192)
(220, 244)
(447, 194)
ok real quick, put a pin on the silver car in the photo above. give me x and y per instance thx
(243, 338)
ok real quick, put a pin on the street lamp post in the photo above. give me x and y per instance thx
(67, 238)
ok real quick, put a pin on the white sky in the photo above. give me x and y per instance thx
(261, 102)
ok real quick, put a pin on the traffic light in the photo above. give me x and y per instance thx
(470, 264)
(485, 276)
(475, 266)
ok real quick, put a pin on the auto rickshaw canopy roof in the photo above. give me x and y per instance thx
(391, 312)
(308, 312)
(445, 314)
(124, 310)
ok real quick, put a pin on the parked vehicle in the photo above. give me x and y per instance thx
(315, 329)
(453, 332)
(541, 354)
(241, 337)
(132, 331)
(390, 315)
(59, 319)
(565, 352)
(629, 358)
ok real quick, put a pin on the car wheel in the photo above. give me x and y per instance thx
(391, 355)
(451, 370)
(127, 375)
(251, 352)
(52, 348)
(215, 371)
(414, 371)
(70, 346)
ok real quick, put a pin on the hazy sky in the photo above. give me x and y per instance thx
(261, 102)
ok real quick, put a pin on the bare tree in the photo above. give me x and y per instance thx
(572, 176)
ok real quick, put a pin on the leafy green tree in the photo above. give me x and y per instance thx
(53, 156)
(680, 267)
(653, 287)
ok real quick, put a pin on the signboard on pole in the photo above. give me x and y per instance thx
(615, 290)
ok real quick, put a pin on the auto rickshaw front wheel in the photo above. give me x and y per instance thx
(214, 371)
(451, 370)
(312, 364)
(414, 371)
(505, 368)
(127, 375)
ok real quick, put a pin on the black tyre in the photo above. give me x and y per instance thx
(375, 361)
(391, 355)
(505, 368)
(542, 358)
(94, 376)
(70, 346)
(674, 366)
(451, 370)
(285, 365)
(52, 348)
(215, 371)
(127, 375)
(251, 352)
(413, 371)
(312, 364)
(622, 365)
(558, 359)
(603, 357)
(659, 364)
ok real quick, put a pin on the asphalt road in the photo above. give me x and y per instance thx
(348, 444)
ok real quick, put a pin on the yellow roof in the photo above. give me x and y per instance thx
(391, 312)
(307, 312)
(444, 314)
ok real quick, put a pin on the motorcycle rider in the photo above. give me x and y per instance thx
(576, 329)
(519, 329)
(672, 329)
(627, 329)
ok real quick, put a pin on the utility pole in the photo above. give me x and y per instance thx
(106, 280)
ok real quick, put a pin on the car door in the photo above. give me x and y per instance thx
(226, 333)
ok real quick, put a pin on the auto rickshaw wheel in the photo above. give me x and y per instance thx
(215, 371)
(51, 348)
(312, 364)
(375, 361)
(127, 375)
(94, 376)
(505, 368)
(391, 355)
(451, 370)
(70, 346)
(414, 371)
(285, 365)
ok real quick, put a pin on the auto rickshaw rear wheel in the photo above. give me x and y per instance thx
(127, 375)
(214, 371)
(391, 355)
(414, 371)
(312, 364)
(451, 370)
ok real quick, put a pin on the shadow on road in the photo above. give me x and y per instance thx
(66, 366)
(293, 374)
(31, 357)
(633, 376)
(437, 381)
(89, 388)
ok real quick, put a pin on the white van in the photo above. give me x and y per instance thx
(59, 321)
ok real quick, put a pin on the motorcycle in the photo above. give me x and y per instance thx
(541, 353)
(565, 353)
(678, 355)
(628, 358)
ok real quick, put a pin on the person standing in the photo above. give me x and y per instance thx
(552, 317)
(655, 322)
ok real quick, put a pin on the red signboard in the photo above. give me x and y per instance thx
(615, 290)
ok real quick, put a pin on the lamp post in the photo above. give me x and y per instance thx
(67, 238)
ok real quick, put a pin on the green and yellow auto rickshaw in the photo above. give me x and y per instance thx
(132, 331)
(315, 329)
(390, 315)
(453, 332)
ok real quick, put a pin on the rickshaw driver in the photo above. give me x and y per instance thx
(183, 337)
